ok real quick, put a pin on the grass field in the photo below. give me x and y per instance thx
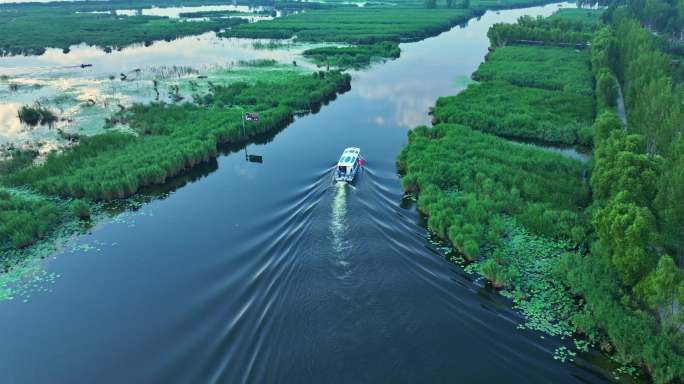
(582, 15)
(356, 25)
(467, 178)
(357, 56)
(508, 110)
(551, 68)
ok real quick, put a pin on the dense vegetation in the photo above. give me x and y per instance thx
(528, 92)
(665, 16)
(520, 112)
(551, 68)
(632, 279)
(359, 25)
(175, 137)
(357, 56)
(31, 30)
(34, 115)
(25, 219)
(629, 276)
(468, 180)
(562, 31)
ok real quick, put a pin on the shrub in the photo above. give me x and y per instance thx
(81, 209)
(34, 115)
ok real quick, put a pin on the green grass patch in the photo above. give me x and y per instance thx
(25, 219)
(35, 114)
(358, 25)
(539, 30)
(520, 112)
(578, 15)
(467, 180)
(358, 56)
(551, 68)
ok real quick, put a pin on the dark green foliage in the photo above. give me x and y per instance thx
(558, 31)
(629, 282)
(258, 63)
(357, 56)
(634, 333)
(358, 25)
(622, 168)
(521, 112)
(30, 30)
(665, 16)
(25, 219)
(603, 51)
(606, 90)
(176, 137)
(34, 115)
(654, 103)
(467, 178)
(605, 124)
(81, 209)
(669, 202)
(660, 290)
(556, 69)
(631, 288)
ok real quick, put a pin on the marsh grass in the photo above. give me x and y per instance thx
(36, 114)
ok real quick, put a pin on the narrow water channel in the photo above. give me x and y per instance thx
(260, 273)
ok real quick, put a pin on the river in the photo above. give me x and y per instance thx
(268, 272)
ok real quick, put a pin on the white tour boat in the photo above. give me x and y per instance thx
(348, 166)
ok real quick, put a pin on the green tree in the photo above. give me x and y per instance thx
(660, 289)
(606, 90)
(80, 209)
(629, 231)
(430, 4)
(620, 168)
(606, 123)
(669, 201)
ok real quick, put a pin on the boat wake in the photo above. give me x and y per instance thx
(339, 228)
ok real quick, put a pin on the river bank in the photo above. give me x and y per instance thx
(565, 261)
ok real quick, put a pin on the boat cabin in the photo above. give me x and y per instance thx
(348, 165)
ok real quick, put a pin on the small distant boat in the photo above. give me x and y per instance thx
(349, 164)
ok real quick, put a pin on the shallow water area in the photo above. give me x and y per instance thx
(87, 84)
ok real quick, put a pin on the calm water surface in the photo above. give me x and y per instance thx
(269, 273)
